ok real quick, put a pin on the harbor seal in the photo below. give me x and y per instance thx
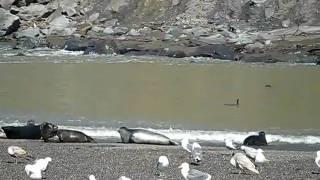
(22, 132)
(142, 136)
(51, 133)
(256, 140)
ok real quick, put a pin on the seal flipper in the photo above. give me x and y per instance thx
(90, 139)
(174, 143)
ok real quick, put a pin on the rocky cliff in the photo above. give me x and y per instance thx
(249, 30)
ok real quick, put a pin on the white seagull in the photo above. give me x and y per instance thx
(92, 177)
(250, 152)
(193, 174)
(242, 162)
(317, 160)
(196, 153)
(260, 158)
(194, 149)
(229, 144)
(124, 178)
(18, 153)
(43, 163)
(33, 171)
(163, 162)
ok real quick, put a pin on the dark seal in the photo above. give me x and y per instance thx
(51, 133)
(30, 131)
(142, 136)
(256, 140)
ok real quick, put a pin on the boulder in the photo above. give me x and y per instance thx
(30, 32)
(60, 25)
(108, 30)
(254, 48)
(120, 30)
(133, 32)
(217, 51)
(34, 11)
(6, 4)
(90, 46)
(8, 23)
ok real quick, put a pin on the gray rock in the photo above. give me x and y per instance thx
(60, 26)
(213, 39)
(30, 32)
(254, 48)
(120, 30)
(175, 2)
(285, 23)
(34, 11)
(112, 23)
(108, 30)
(168, 37)
(145, 30)
(218, 51)
(8, 23)
(197, 31)
(133, 32)
(31, 42)
(43, 1)
(94, 17)
(268, 12)
(6, 4)
(97, 29)
(15, 10)
(115, 5)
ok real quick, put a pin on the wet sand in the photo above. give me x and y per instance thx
(111, 160)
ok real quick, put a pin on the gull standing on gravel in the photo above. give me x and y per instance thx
(250, 152)
(317, 160)
(242, 162)
(43, 163)
(260, 158)
(193, 174)
(124, 178)
(33, 171)
(229, 144)
(92, 177)
(163, 162)
(18, 153)
(194, 149)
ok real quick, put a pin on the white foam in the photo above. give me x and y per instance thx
(196, 135)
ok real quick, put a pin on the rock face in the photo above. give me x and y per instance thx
(6, 4)
(8, 23)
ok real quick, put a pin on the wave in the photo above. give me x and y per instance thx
(196, 135)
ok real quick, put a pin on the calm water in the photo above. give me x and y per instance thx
(161, 95)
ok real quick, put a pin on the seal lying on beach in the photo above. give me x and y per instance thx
(51, 133)
(256, 140)
(30, 131)
(142, 136)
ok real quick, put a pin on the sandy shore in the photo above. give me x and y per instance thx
(111, 160)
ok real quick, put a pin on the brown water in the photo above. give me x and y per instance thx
(185, 95)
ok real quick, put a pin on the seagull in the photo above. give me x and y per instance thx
(260, 158)
(241, 161)
(43, 163)
(196, 153)
(186, 145)
(250, 152)
(33, 171)
(317, 160)
(92, 177)
(17, 152)
(163, 163)
(194, 149)
(229, 144)
(193, 174)
(124, 178)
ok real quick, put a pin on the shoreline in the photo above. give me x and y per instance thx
(138, 161)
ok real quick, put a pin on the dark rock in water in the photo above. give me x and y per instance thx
(22, 132)
(6, 4)
(176, 54)
(256, 140)
(9, 23)
(56, 42)
(218, 51)
(96, 47)
(31, 42)
(90, 46)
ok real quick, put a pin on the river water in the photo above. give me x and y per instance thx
(98, 94)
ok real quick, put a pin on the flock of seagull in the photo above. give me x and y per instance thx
(242, 161)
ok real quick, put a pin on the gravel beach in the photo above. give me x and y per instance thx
(112, 160)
